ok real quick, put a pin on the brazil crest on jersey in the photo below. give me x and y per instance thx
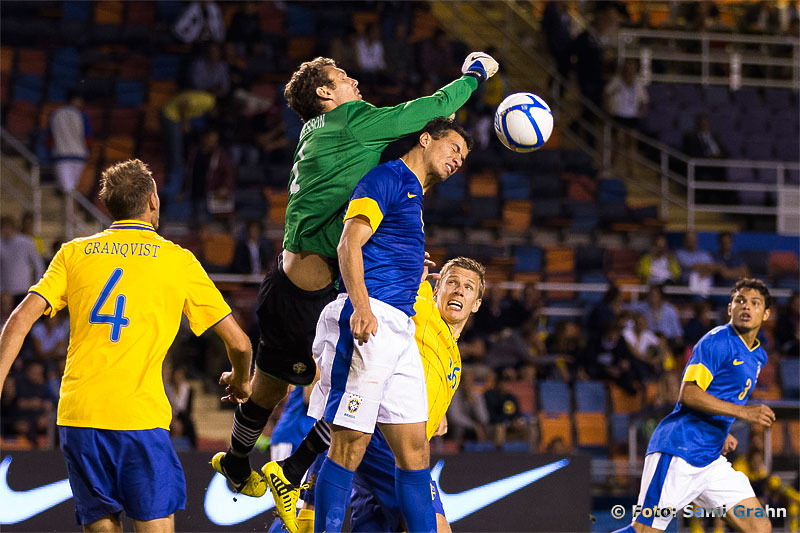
(440, 356)
(725, 367)
(390, 197)
(126, 289)
(336, 149)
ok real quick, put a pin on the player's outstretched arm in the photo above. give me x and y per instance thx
(17, 327)
(357, 231)
(693, 396)
(240, 354)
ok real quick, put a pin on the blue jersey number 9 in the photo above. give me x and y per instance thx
(118, 320)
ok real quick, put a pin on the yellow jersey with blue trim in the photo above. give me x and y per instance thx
(440, 356)
(126, 288)
(724, 366)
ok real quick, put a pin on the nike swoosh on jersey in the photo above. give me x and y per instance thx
(411, 195)
(223, 511)
(21, 505)
(457, 506)
(737, 363)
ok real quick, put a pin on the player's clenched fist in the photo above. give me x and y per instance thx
(238, 387)
(759, 414)
(363, 324)
(480, 65)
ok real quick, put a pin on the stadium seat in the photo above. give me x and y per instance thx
(559, 260)
(76, 10)
(125, 121)
(140, 13)
(27, 88)
(45, 112)
(485, 211)
(560, 277)
(523, 390)
(528, 259)
(483, 185)
(300, 20)
(782, 263)
(473, 446)
(756, 261)
(129, 93)
(165, 67)
(619, 427)
(21, 119)
(622, 402)
(453, 189)
(554, 397)
(250, 203)
(516, 215)
(108, 12)
(31, 61)
(623, 261)
(87, 179)
(515, 185)
(300, 48)
(552, 428)
(790, 377)
(217, 251)
(590, 397)
(591, 429)
(589, 259)
(277, 200)
(119, 148)
(6, 59)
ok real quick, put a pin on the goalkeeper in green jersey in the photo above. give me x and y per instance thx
(341, 140)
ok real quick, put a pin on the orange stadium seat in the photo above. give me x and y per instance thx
(21, 119)
(152, 120)
(794, 437)
(517, 215)
(300, 48)
(108, 12)
(483, 185)
(31, 61)
(591, 429)
(125, 121)
(97, 119)
(362, 19)
(650, 392)
(6, 59)
(45, 112)
(559, 260)
(622, 402)
(277, 198)
(553, 427)
(88, 179)
(527, 277)
(777, 434)
(523, 390)
(218, 249)
(782, 262)
(119, 148)
(560, 277)
(141, 13)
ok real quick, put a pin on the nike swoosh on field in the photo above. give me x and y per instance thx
(457, 506)
(21, 505)
(224, 511)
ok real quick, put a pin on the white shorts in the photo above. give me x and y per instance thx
(669, 481)
(381, 381)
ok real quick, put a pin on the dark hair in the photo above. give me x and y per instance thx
(755, 284)
(125, 189)
(301, 91)
(611, 294)
(724, 234)
(438, 128)
(467, 264)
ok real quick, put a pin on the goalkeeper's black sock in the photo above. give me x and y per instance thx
(316, 442)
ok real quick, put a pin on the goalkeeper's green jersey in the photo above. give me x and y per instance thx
(337, 148)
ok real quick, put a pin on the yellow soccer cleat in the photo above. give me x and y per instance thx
(252, 486)
(284, 494)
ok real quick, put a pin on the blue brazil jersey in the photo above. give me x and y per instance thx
(725, 367)
(390, 197)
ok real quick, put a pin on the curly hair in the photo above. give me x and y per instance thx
(301, 91)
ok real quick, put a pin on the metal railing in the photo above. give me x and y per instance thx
(722, 59)
(31, 197)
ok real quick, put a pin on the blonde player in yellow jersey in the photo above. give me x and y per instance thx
(440, 316)
(126, 288)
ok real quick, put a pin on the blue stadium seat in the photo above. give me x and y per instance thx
(547, 161)
(478, 446)
(716, 95)
(248, 175)
(514, 185)
(299, 20)
(129, 93)
(250, 204)
(611, 190)
(484, 208)
(747, 97)
(554, 397)
(619, 427)
(80, 11)
(546, 185)
(790, 377)
(591, 297)
(528, 259)
(453, 189)
(590, 259)
(590, 396)
(27, 88)
(515, 446)
(165, 67)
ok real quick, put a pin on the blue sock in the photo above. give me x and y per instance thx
(331, 496)
(628, 529)
(413, 489)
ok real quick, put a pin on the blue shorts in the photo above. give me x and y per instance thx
(113, 471)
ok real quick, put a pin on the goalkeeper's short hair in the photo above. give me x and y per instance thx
(301, 91)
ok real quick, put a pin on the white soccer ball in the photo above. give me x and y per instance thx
(523, 122)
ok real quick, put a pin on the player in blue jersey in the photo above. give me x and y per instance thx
(685, 460)
(370, 367)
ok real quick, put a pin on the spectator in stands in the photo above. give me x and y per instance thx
(12, 423)
(603, 313)
(505, 416)
(369, 53)
(508, 351)
(245, 27)
(588, 49)
(437, 58)
(658, 266)
(700, 323)
(555, 26)
(200, 22)
(26, 228)
(69, 135)
(701, 142)
(209, 179)
(626, 100)
(730, 264)
(609, 357)
(697, 266)
(33, 399)
(179, 392)
(176, 117)
(787, 331)
(642, 342)
(467, 417)
(662, 317)
(20, 263)
(252, 253)
(495, 89)
(566, 344)
(343, 50)
(400, 55)
(50, 337)
(210, 72)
